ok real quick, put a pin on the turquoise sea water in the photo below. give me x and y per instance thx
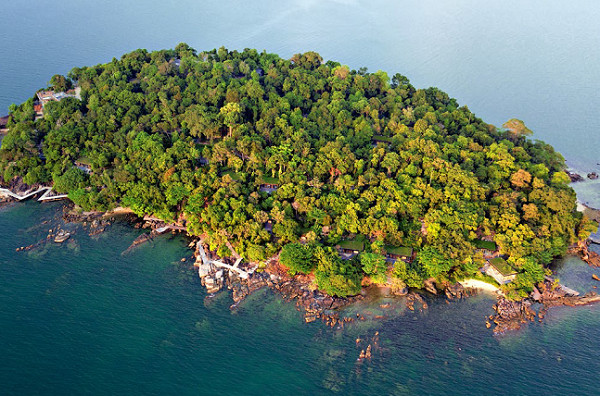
(83, 318)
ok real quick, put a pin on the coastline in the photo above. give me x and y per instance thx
(314, 304)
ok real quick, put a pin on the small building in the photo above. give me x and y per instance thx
(500, 270)
(394, 253)
(45, 96)
(381, 139)
(268, 226)
(84, 164)
(52, 96)
(39, 110)
(488, 248)
(203, 161)
(350, 248)
(269, 184)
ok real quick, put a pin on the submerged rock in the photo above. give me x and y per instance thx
(138, 241)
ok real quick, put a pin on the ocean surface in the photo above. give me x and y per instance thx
(83, 318)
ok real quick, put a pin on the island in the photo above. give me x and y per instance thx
(344, 177)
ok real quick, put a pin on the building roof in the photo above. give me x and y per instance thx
(399, 250)
(379, 138)
(234, 175)
(481, 244)
(84, 161)
(269, 180)
(502, 266)
(47, 96)
(352, 244)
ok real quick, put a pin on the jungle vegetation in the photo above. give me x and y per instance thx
(192, 137)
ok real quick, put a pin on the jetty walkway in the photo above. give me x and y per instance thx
(206, 263)
(162, 230)
(44, 197)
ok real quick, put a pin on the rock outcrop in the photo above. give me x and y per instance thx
(574, 177)
(589, 256)
(511, 315)
(313, 303)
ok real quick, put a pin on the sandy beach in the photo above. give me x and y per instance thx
(477, 284)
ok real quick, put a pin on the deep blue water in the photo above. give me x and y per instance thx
(83, 319)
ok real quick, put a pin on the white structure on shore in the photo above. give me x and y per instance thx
(4, 192)
(206, 265)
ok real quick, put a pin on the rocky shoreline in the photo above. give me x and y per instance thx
(576, 177)
(511, 315)
(313, 303)
(316, 305)
(583, 251)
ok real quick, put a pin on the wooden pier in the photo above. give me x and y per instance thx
(206, 263)
(169, 227)
(45, 196)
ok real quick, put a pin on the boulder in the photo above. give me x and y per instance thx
(400, 291)
(429, 285)
(592, 176)
(536, 295)
(574, 177)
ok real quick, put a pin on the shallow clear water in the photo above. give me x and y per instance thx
(84, 318)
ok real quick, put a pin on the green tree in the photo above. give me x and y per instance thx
(375, 266)
(298, 258)
(231, 115)
(60, 83)
(335, 276)
(71, 180)
(434, 262)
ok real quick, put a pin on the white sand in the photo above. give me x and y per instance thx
(477, 284)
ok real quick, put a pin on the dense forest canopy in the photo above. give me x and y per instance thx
(192, 137)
